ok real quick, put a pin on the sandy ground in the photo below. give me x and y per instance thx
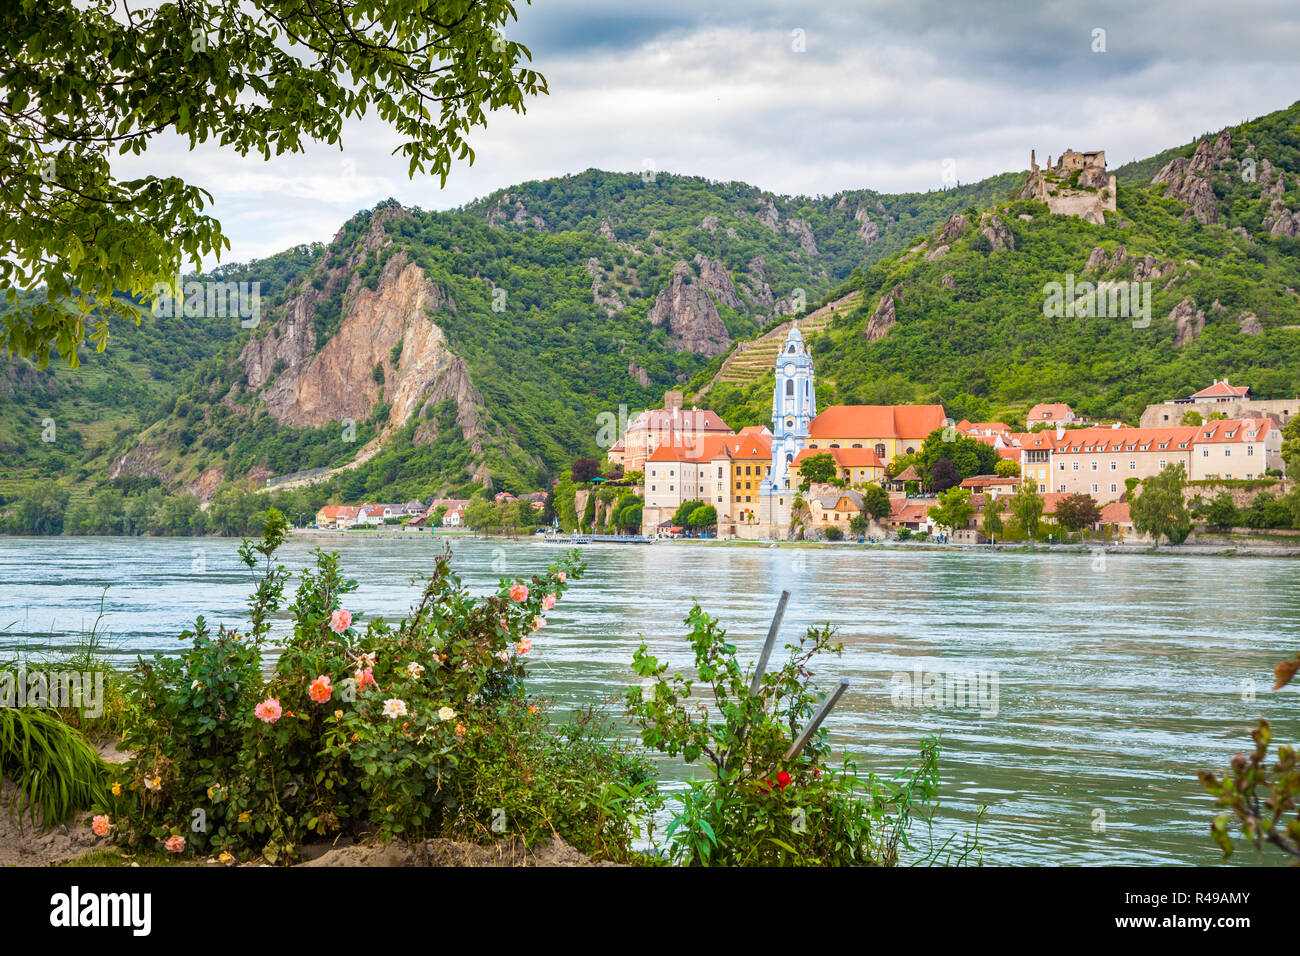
(511, 852)
(24, 843)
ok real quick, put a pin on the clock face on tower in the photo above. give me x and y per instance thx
(789, 368)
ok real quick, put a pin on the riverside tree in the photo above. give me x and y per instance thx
(954, 509)
(1159, 509)
(1027, 508)
(85, 81)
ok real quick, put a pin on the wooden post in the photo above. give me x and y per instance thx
(767, 645)
(801, 741)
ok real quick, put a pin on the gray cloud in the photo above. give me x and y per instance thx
(881, 94)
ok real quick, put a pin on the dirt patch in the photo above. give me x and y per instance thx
(511, 852)
(25, 843)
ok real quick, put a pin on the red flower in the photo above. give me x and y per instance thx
(783, 779)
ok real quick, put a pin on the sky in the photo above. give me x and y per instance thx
(797, 99)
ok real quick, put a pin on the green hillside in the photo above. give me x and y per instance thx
(970, 330)
(553, 294)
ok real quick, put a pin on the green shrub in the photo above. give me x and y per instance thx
(758, 807)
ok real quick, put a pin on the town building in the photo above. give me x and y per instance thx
(336, 517)
(1222, 399)
(726, 471)
(856, 465)
(670, 425)
(1050, 413)
(889, 431)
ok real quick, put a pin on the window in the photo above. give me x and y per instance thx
(789, 388)
(1227, 453)
(1060, 488)
(1162, 464)
(1132, 465)
(1113, 488)
(1076, 465)
(880, 449)
(1042, 488)
(1062, 466)
(1250, 451)
(1114, 466)
(1094, 466)
(1205, 453)
(1094, 487)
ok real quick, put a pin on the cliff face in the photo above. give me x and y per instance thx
(687, 305)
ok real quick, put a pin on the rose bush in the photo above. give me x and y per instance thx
(368, 728)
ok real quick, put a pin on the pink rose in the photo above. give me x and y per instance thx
(524, 646)
(563, 577)
(321, 690)
(365, 678)
(268, 710)
(340, 621)
(175, 844)
(519, 593)
(539, 623)
(101, 825)
(548, 602)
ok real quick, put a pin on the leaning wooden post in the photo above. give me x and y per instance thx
(801, 741)
(767, 645)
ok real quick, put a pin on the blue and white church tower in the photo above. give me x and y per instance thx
(794, 406)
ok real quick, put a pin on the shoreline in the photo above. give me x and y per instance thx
(1251, 548)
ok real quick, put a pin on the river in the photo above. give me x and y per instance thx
(1115, 680)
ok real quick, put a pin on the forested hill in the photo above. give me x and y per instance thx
(442, 351)
(553, 302)
(958, 318)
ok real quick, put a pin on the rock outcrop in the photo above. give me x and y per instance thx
(997, 232)
(337, 382)
(1250, 324)
(953, 228)
(1189, 321)
(1188, 180)
(687, 306)
(609, 300)
(883, 319)
(868, 231)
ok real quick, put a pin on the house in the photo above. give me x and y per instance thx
(536, 499)
(670, 425)
(1220, 398)
(1115, 517)
(983, 429)
(1097, 461)
(857, 466)
(1236, 448)
(725, 471)
(372, 514)
(1054, 413)
(887, 430)
(910, 513)
(337, 517)
(900, 481)
(829, 506)
(994, 486)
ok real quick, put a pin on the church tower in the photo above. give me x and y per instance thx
(794, 406)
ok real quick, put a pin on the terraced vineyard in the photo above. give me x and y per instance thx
(750, 361)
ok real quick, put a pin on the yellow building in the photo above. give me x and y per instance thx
(888, 431)
(857, 466)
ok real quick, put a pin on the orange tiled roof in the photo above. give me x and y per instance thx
(1116, 512)
(1223, 390)
(340, 511)
(1048, 411)
(679, 419)
(877, 421)
(1094, 440)
(1233, 430)
(702, 448)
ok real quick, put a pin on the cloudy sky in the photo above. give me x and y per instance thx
(800, 99)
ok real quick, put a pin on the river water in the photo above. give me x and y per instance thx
(1115, 680)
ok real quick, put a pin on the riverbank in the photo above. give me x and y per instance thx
(1243, 546)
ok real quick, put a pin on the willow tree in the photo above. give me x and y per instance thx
(80, 83)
